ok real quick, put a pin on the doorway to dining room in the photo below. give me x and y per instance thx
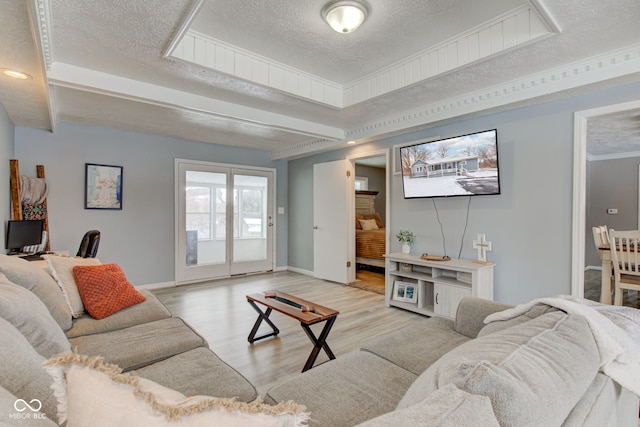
(606, 155)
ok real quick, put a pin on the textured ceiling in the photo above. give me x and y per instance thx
(108, 66)
(614, 134)
(298, 36)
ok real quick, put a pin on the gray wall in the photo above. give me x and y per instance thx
(611, 184)
(140, 237)
(529, 224)
(6, 153)
(377, 182)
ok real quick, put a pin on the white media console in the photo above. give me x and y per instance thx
(434, 288)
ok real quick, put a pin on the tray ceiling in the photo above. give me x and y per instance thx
(274, 76)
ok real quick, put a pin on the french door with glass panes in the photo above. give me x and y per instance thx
(224, 220)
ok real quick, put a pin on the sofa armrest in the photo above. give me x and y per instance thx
(472, 312)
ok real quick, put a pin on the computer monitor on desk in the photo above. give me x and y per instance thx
(23, 233)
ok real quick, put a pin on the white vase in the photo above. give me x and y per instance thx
(406, 248)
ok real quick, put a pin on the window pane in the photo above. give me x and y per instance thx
(221, 226)
(251, 201)
(200, 223)
(198, 208)
(250, 220)
(198, 199)
(221, 201)
(362, 183)
(249, 205)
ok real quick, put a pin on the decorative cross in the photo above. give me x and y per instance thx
(482, 245)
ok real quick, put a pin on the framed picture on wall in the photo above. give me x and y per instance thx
(103, 187)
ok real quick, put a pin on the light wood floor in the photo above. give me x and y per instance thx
(219, 311)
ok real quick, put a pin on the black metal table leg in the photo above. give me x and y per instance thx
(318, 343)
(261, 316)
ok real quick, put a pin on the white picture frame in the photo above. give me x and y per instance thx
(405, 291)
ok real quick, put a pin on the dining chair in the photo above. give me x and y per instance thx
(601, 237)
(601, 240)
(625, 257)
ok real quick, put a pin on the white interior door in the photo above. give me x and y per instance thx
(224, 220)
(330, 216)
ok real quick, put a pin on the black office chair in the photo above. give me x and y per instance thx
(89, 245)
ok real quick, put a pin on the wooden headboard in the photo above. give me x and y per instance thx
(365, 202)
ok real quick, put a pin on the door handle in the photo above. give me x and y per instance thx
(315, 227)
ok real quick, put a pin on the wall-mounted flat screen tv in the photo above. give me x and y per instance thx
(465, 165)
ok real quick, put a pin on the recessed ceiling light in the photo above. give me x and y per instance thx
(351, 142)
(15, 74)
(344, 16)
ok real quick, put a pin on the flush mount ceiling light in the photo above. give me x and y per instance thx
(344, 16)
(15, 74)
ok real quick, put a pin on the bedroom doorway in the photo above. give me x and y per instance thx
(371, 213)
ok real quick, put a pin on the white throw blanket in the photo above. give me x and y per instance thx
(616, 331)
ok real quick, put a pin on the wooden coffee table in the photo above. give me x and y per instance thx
(306, 312)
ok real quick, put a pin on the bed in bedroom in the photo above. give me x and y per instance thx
(370, 240)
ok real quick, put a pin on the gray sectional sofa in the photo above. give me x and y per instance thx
(540, 368)
(145, 339)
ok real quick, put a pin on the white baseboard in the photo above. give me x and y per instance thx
(157, 285)
(300, 270)
(593, 267)
(173, 284)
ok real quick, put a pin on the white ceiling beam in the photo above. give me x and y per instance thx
(87, 80)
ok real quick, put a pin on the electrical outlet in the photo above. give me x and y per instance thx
(612, 211)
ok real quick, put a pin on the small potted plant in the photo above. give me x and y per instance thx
(406, 237)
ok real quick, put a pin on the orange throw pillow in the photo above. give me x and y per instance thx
(105, 290)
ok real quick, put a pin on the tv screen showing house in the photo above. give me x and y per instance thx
(465, 165)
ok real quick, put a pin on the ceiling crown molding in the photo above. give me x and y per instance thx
(500, 35)
(40, 17)
(40, 14)
(509, 31)
(615, 64)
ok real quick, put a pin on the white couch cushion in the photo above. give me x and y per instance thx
(61, 268)
(91, 392)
